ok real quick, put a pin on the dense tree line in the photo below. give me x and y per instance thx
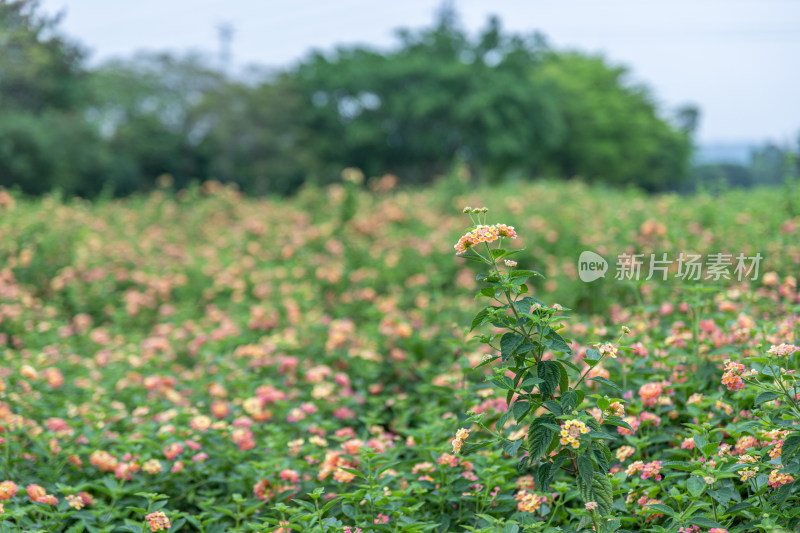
(503, 104)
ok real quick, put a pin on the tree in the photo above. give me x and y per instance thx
(254, 134)
(438, 96)
(45, 141)
(146, 109)
(614, 133)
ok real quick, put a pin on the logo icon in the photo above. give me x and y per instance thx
(591, 266)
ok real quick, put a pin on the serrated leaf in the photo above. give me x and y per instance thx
(660, 508)
(585, 468)
(604, 381)
(520, 409)
(592, 355)
(488, 361)
(569, 400)
(563, 378)
(475, 446)
(602, 460)
(704, 522)
(540, 436)
(554, 407)
(790, 446)
(523, 273)
(781, 495)
(738, 507)
(503, 419)
(617, 422)
(603, 493)
(509, 342)
(483, 316)
(556, 342)
(766, 397)
(696, 486)
(550, 373)
(511, 447)
(530, 381)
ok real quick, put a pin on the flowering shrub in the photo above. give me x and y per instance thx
(211, 363)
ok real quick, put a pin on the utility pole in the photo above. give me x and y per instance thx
(225, 34)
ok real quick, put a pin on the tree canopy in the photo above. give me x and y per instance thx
(506, 105)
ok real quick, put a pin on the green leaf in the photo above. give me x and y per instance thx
(569, 400)
(511, 447)
(520, 409)
(489, 292)
(618, 423)
(585, 468)
(509, 342)
(660, 508)
(700, 441)
(556, 342)
(696, 486)
(511, 528)
(790, 446)
(563, 378)
(475, 446)
(483, 316)
(604, 381)
(724, 495)
(782, 494)
(524, 305)
(599, 454)
(503, 382)
(550, 372)
(738, 507)
(530, 381)
(554, 407)
(592, 355)
(704, 522)
(308, 506)
(540, 436)
(331, 503)
(603, 493)
(489, 360)
(523, 273)
(503, 419)
(765, 397)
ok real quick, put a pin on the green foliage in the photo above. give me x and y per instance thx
(304, 360)
(495, 106)
(613, 132)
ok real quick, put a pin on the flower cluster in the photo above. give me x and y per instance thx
(652, 469)
(158, 521)
(733, 376)
(458, 441)
(607, 350)
(38, 494)
(623, 452)
(648, 470)
(783, 350)
(776, 479)
(528, 502)
(483, 233)
(615, 409)
(8, 489)
(571, 431)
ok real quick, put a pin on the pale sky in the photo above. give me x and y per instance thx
(736, 59)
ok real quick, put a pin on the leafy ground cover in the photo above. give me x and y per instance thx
(202, 361)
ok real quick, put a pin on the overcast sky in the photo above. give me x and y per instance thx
(736, 59)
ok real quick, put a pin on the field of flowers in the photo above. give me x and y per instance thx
(201, 361)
